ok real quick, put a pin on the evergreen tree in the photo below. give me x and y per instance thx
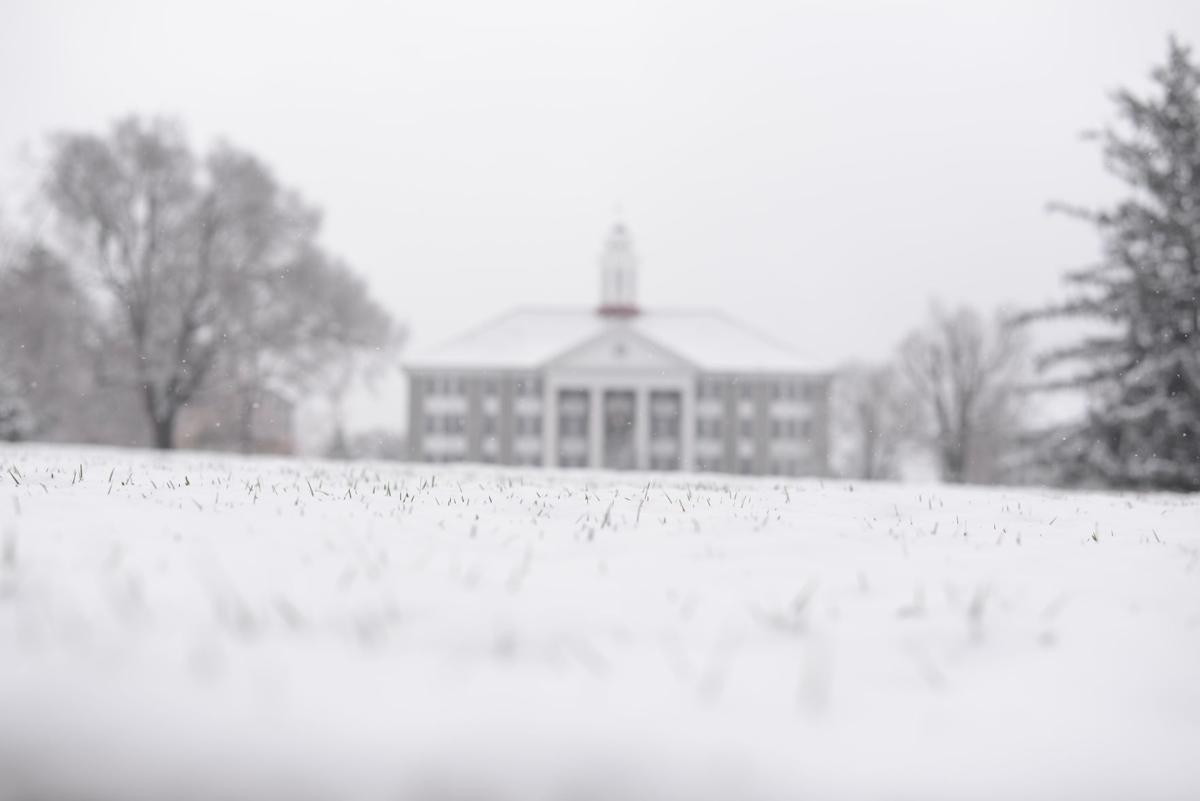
(1141, 369)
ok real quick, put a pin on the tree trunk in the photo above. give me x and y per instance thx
(245, 434)
(954, 463)
(162, 423)
(164, 432)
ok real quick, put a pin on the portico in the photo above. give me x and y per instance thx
(639, 405)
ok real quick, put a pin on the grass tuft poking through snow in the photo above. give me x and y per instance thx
(200, 626)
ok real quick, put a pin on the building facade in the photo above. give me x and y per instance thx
(620, 388)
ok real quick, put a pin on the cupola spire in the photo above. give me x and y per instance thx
(618, 274)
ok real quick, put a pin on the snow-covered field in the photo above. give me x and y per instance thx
(196, 626)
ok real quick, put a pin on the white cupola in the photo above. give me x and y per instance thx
(618, 274)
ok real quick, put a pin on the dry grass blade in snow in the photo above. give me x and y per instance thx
(202, 626)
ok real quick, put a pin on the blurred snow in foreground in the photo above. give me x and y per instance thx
(195, 626)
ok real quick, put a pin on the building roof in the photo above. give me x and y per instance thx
(528, 339)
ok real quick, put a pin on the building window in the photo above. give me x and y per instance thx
(745, 466)
(709, 388)
(529, 387)
(746, 427)
(664, 415)
(618, 420)
(574, 409)
(526, 426)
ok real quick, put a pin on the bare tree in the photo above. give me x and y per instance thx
(310, 329)
(966, 372)
(207, 264)
(135, 203)
(875, 416)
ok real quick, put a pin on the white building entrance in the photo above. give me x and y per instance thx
(620, 419)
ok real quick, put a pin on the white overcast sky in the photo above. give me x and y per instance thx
(821, 169)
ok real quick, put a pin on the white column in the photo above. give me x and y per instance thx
(596, 427)
(549, 422)
(641, 427)
(687, 425)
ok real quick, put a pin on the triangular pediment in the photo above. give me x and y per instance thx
(620, 347)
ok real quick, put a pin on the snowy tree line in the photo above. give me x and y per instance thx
(960, 387)
(955, 394)
(165, 278)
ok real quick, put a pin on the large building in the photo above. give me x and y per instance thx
(619, 387)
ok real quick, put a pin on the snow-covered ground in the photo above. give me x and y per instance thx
(196, 626)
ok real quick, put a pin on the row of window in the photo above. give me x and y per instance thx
(445, 424)
(713, 427)
(714, 388)
(661, 428)
(489, 425)
(577, 427)
(531, 386)
(528, 426)
(456, 385)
